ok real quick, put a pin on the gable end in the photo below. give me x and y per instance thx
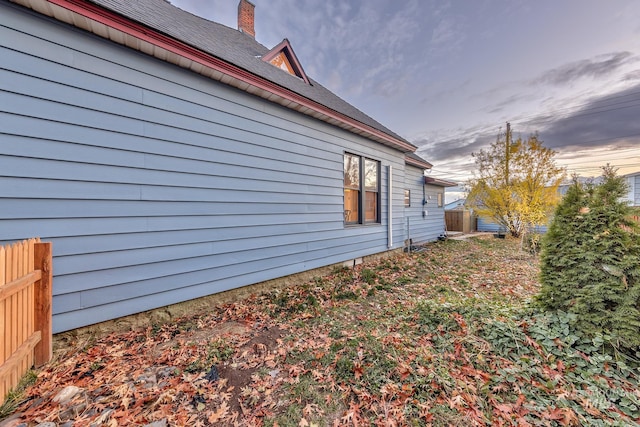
(284, 52)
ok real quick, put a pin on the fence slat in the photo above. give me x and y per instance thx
(23, 334)
(3, 314)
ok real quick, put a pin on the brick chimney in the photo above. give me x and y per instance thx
(245, 18)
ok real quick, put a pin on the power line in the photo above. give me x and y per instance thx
(462, 176)
(584, 107)
(584, 114)
(615, 159)
(610, 138)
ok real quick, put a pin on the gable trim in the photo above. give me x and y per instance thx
(285, 48)
(121, 30)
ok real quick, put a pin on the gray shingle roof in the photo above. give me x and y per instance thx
(417, 159)
(233, 47)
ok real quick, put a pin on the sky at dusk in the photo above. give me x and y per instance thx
(448, 75)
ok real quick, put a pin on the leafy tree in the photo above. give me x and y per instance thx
(517, 183)
(591, 262)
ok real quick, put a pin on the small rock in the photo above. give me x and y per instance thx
(149, 378)
(165, 372)
(161, 423)
(72, 412)
(13, 421)
(66, 394)
(47, 424)
(103, 418)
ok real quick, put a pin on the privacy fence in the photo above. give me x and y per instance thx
(25, 310)
(459, 220)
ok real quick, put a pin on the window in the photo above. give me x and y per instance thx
(282, 62)
(407, 198)
(361, 190)
(439, 200)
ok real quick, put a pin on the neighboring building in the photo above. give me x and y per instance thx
(455, 205)
(633, 197)
(168, 158)
(633, 181)
(487, 225)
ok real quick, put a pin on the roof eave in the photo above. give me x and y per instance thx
(417, 163)
(110, 25)
(439, 182)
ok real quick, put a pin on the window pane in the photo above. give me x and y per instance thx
(439, 200)
(351, 172)
(371, 175)
(407, 198)
(351, 203)
(371, 206)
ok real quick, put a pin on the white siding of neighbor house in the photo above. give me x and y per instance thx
(634, 189)
(418, 227)
(157, 185)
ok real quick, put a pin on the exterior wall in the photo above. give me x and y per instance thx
(456, 205)
(157, 185)
(633, 181)
(487, 225)
(418, 227)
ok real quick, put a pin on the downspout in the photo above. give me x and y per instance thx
(390, 201)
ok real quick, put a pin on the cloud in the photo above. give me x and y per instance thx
(446, 36)
(602, 122)
(631, 76)
(599, 66)
(456, 147)
(508, 102)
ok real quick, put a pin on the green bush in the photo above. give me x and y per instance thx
(590, 263)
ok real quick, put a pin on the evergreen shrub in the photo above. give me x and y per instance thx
(590, 263)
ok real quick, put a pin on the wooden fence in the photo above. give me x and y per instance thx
(25, 310)
(459, 220)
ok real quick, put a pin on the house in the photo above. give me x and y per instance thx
(633, 183)
(455, 205)
(632, 180)
(168, 157)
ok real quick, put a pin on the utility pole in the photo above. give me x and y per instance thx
(507, 153)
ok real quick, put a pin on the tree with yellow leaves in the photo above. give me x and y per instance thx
(516, 185)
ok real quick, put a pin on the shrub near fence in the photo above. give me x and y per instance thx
(25, 310)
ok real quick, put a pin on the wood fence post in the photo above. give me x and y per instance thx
(43, 351)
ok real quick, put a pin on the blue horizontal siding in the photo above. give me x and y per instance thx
(157, 185)
(70, 171)
(418, 227)
(68, 320)
(487, 225)
(51, 208)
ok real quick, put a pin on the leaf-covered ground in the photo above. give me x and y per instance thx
(441, 337)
